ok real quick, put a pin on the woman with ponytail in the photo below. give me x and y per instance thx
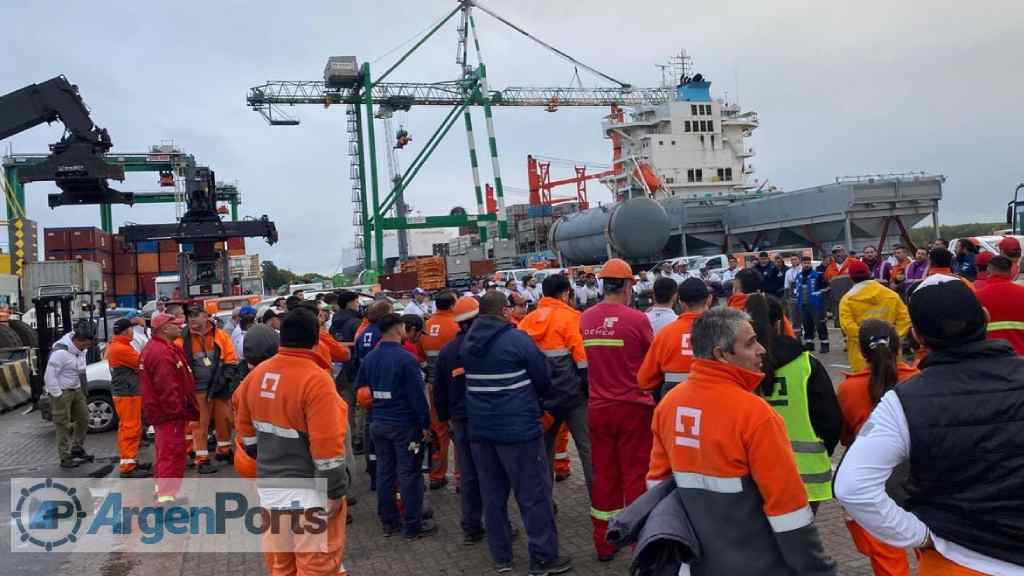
(858, 395)
(797, 386)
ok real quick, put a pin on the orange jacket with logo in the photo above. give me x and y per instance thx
(330, 350)
(121, 353)
(205, 344)
(855, 399)
(834, 270)
(728, 453)
(288, 408)
(670, 355)
(555, 328)
(439, 330)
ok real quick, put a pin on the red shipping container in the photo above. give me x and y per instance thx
(58, 255)
(126, 284)
(148, 262)
(168, 262)
(125, 264)
(88, 239)
(236, 243)
(108, 284)
(168, 246)
(103, 258)
(147, 284)
(55, 239)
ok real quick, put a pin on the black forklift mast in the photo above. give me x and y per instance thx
(203, 272)
(54, 314)
(76, 162)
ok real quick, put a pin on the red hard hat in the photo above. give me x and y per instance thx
(616, 268)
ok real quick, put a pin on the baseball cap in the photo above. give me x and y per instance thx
(859, 271)
(946, 313)
(1009, 246)
(160, 319)
(983, 259)
(837, 248)
(121, 325)
(693, 290)
(246, 311)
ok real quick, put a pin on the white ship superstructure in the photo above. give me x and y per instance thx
(691, 147)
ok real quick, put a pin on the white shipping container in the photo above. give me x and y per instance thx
(83, 275)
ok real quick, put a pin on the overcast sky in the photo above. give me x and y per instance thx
(842, 88)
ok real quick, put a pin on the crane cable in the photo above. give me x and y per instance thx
(549, 46)
(407, 42)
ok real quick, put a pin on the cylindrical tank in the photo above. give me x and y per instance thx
(636, 229)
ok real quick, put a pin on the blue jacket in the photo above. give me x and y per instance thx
(808, 289)
(772, 279)
(506, 374)
(395, 378)
(450, 382)
(364, 345)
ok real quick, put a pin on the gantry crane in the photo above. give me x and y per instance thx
(470, 89)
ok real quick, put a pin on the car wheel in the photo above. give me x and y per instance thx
(102, 417)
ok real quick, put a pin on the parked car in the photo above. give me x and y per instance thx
(100, 399)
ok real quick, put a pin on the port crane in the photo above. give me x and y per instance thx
(362, 93)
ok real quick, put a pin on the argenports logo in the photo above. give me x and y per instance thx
(48, 514)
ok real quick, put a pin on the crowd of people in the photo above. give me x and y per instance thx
(704, 422)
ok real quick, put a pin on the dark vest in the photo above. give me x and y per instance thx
(965, 412)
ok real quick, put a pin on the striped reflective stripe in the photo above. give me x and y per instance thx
(792, 521)
(613, 342)
(1006, 325)
(556, 352)
(279, 431)
(498, 388)
(222, 444)
(381, 395)
(602, 515)
(249, 440)
(372, 457)
(433, 353)
(561, 455)
(328, 463)
(652, 483)
(202, 453)
(819, 478)
(807, 447)
(495, 376)
(710, 483)
(676, 377)
(127, 461)
(582, 364)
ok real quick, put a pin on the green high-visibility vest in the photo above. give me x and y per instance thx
(789, 399)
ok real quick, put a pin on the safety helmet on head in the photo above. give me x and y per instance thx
(466, 308)
(616, 268)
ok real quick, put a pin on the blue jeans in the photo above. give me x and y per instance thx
(396, 464)
(523, 468)
(469, 481)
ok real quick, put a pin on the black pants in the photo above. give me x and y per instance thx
(814, 320)
(470, 497)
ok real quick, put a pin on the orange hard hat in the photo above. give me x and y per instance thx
(466, 308)
(617, 268)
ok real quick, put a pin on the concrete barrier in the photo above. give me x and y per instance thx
(15, 387)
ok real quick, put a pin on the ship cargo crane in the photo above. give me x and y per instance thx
(347, 82)
(539, 176)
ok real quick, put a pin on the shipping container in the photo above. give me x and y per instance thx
(126, 284)
(52, 255)
(399, 282)
(131, 301)
(147, 284)
(88, 239)
(481, 268)
(55, 239)
(125, 264)
(148, 262)
(103, 258)
(168, 262)
(147, 246)
(108, 284)
(236, 243)
(244, 266)
(119, 246)
(167, 246)
(83, 275)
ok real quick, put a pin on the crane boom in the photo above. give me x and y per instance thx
(267, 97)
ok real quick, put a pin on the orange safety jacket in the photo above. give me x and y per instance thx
(330, 350)
(728, 453)
(668, 359)
(555, 328)
(292, 419)
(124, 366)
(439, 330)
(833, 270)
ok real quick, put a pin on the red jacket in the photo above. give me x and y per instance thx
(1003, 300)
(165, 379)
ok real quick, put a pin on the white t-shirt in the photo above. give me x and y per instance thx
(416, 308)
(661, 317)
(729, 275)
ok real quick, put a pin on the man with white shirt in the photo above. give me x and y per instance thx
(682, 272)
(64, 379)
(644, 284)
(531, 289)
(662, 314)
(959, 423)
(729, 274)
(419, 305)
